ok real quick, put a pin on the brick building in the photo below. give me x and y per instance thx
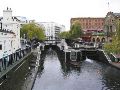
(90, 25)
(110, 24)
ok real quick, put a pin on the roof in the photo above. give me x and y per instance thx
(88, 18)
(21, 18)
(117, 14)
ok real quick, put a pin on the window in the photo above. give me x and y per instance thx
(0, 47)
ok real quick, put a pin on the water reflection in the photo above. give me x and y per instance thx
(55, 74)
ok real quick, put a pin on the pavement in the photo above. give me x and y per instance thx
(115, 64)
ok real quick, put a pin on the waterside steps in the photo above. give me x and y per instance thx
(7, 63)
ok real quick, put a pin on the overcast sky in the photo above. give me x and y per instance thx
(59, 11)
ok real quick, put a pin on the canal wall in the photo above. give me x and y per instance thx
(15, 78)
(23, 75)
(98, 55)
(9, 62)
(95, 54)
(102, 57)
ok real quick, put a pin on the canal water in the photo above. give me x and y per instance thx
(54, 74)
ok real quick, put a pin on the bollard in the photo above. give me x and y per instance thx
(12, 58)
(0, 64)
(20, 54)
(4, 63)
(16, 54)
(65, 56)
(9, 61)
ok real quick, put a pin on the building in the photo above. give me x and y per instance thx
(52, 30)
(90, 26)
(9, 33)
(110, 24)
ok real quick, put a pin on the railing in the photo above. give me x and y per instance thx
(9, 60)
(52, 41)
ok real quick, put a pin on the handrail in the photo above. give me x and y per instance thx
(10, 59)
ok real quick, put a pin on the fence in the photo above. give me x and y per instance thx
(6, 61)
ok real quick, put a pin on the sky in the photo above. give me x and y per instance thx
(59, 11)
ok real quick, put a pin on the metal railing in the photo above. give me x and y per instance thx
(9, 60)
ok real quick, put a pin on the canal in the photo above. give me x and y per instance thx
(54, 74)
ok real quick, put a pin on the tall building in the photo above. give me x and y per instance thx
(9, 33)
(52, 30)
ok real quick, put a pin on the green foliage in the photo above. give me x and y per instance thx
(76, 30)
(118, 30)
(64, 34)
(113, 47)
(32, 31)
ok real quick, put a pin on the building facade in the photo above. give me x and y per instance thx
(9, 33)
(52, 30)
(91, 27)
(90, 24)
(110, 24)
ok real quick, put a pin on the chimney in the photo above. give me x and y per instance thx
(7, 14)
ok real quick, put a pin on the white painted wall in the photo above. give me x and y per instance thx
(10, 41)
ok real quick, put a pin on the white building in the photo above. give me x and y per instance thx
(52, 30)
(9, 33)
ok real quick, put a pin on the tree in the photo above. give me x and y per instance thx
(32, 31)
(76, 30)
(64, 34)
(118, 30)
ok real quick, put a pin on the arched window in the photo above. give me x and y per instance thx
(97, 40)
(93, 39)
(103, 40)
